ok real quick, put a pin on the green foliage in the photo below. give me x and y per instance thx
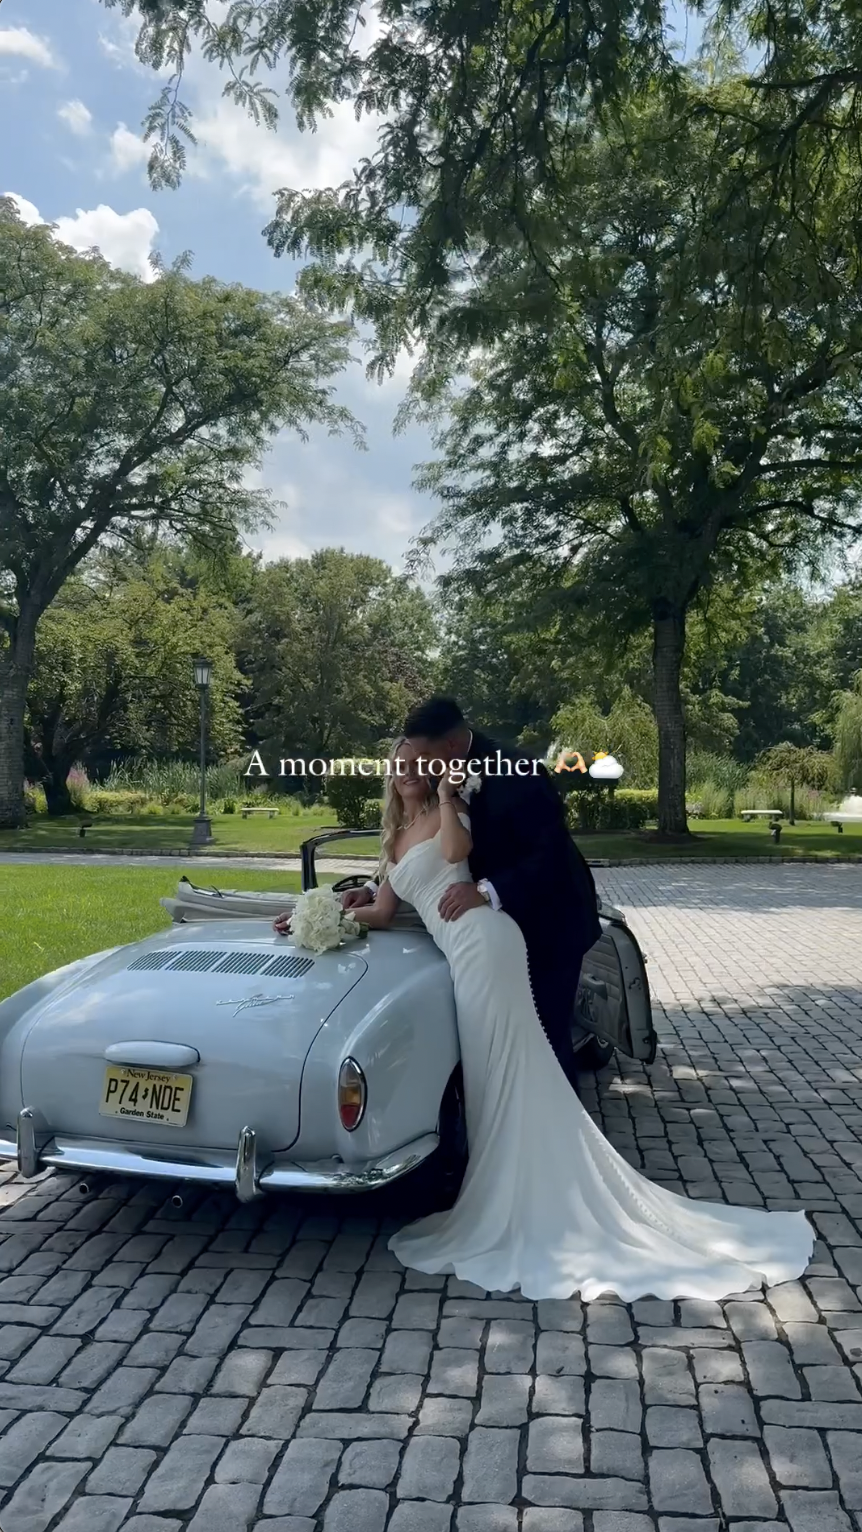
(114, 671)
(128, 406)
(623, 809)
(335, 649)
(166, 781)
(707, 799)
(722, 770)
(354, 798)
(760, 793)
(848, 739)
(785, 763)
(627, 731)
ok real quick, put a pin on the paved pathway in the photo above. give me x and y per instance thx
(220, 1368)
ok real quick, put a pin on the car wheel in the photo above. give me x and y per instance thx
(595, 1054)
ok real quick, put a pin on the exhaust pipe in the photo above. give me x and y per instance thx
(176, 1201)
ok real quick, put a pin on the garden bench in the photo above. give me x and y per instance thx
(271, 813)
(772, 815)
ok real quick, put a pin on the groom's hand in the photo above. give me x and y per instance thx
(458, 899)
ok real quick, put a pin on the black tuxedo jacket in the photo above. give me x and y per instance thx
(522, 845)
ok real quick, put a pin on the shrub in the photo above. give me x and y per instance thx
(35, 801)
(721, 770)
(714, 800)
(625, 809)
(78, 787)
(172, 781)
(229, 806)
(349, 796)
(763, 794)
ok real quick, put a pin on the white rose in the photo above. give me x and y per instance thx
(471, 786)
(319, 923)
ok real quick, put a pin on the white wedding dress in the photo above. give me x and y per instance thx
(547, 1204)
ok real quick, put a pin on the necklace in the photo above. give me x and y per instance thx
(408, 822)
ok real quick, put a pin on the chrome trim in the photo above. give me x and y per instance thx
(220, 1169)
(245, 1178)
(25, 1148)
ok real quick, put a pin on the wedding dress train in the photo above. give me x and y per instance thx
(547, 1204)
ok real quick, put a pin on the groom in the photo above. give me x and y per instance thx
(523, 861)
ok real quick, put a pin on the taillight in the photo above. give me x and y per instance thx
(352, 1094)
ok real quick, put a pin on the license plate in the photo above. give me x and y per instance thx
(146, 1095)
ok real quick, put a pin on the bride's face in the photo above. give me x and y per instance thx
(412, 788)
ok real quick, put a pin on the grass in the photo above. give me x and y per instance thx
(49, 917)
(718, 838)
(283, 837)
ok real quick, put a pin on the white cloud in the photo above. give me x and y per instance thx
(124, 239)
(262, 162)
(27, 211)
(20, 42)
(127, 149)
(77, 117)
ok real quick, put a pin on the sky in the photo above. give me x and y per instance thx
(72, 98)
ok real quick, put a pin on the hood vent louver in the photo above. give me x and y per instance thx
(205, 960)
(285, 967)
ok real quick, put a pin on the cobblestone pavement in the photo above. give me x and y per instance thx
(218, 1367)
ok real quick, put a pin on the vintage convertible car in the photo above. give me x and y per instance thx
(216, 1052)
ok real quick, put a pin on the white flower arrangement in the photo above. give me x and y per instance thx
(319, 922)
(472, 785)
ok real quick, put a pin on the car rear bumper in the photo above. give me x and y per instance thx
(249, 1173)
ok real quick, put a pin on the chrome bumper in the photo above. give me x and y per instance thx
(242, 1171)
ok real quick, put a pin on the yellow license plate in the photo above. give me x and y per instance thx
(146, 1095)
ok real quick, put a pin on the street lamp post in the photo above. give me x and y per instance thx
(202, 833)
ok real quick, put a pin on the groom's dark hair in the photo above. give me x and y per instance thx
(433, 719)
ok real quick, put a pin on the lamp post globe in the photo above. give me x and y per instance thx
(202, 832)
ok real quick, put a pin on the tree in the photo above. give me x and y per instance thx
(335, 649)
(792, 765)
(127, 405)
(666, 408)
(848, 738)
(113, 672)
(475, 94)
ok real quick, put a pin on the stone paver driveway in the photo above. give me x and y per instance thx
(221, 1368)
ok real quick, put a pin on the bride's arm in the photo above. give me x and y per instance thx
(456, 842)
(381, 913)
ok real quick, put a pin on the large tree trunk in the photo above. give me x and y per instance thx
(57, 794)
(668, 649)
(15, 665)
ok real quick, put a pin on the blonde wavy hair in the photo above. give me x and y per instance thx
(392, 818)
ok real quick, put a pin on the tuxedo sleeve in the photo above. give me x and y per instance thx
(545, 860)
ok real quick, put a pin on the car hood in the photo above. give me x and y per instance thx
(237, 1008)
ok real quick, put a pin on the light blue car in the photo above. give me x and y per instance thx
(215, 1052)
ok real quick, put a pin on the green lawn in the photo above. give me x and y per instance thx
(284, 835)
(713, 838)
(51, 915)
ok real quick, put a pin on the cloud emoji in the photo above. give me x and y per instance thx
(606, 768)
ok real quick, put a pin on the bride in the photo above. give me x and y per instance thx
(547, 1204)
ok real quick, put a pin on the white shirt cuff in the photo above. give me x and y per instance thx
(485, 887)
(372, 885)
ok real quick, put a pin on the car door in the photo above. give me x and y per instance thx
(613, 996)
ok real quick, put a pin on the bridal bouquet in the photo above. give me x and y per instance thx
(319, 923)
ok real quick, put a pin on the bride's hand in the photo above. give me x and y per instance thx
(447, 789)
